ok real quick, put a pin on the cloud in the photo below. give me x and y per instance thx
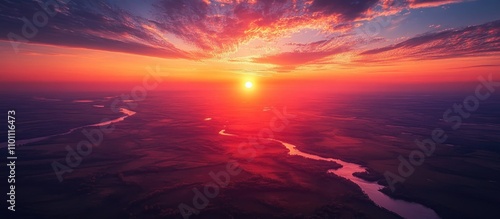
(88, 24)
(297, 58)
(417, 3)
(221, 26)
(212, 27)
(391, 7)
(308, 53)
(199, 29)
(478, 40)
(349, 10)
(431, 3)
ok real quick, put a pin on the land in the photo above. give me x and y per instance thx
(152, 161)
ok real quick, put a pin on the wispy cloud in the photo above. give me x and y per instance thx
(90, 24)
(431, 3)
(308, 53)
(479, 40)
(213, 27)
(200, 29)
(221, 26)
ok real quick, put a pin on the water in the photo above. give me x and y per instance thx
(165, 147)
(127, 113)
(409, 210)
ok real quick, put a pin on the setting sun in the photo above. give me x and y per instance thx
(248, 84)
(244, 108)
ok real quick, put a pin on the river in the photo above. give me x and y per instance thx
(405, 209)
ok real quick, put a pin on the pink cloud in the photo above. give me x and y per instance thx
(478, 40)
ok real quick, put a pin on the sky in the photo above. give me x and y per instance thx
(369, 41)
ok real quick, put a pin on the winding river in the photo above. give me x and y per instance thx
(126, 113)
(405, 209)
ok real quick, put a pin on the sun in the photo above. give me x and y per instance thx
(248, 84)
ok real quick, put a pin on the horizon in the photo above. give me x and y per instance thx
(388, 42)
(229, 109)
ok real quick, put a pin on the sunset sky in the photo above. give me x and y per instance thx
(368, 40)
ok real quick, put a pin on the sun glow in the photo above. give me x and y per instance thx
(248, 84)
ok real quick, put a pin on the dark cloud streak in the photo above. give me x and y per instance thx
(89, 24)
(476, 40)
